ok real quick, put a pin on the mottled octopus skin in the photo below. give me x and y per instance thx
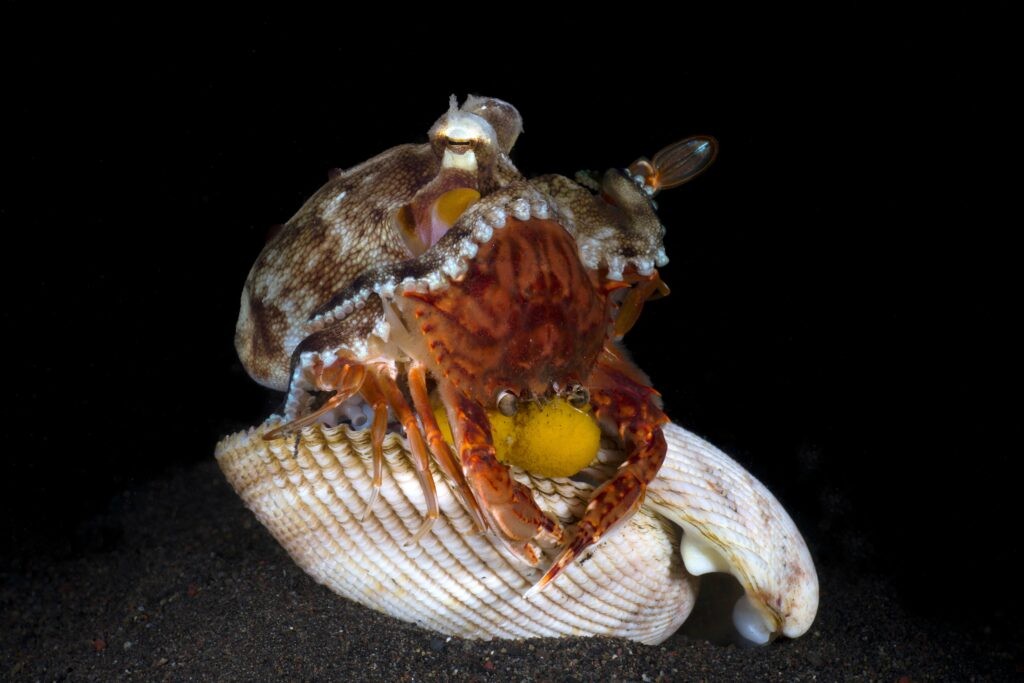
(341, 231)
(605, 235)
(346, 229)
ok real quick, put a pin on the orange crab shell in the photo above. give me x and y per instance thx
(525, 315)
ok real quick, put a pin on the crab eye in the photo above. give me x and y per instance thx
(508, 403)
(578, 396)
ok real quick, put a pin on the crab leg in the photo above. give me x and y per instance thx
(418, 449)
(438, 448)
(618, 395)
(373, 395)
(346, 379)
(507, 505)
(645, 289)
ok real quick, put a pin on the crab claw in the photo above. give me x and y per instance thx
(612, 504)
(621, 398)
(568, 556)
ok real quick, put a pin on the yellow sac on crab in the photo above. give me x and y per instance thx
(550, 440)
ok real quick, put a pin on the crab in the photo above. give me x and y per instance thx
(438, 272)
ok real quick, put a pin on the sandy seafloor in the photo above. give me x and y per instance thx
(178, 581)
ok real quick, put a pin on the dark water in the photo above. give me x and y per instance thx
(838, 321)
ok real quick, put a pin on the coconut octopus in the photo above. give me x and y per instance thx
(434, 280)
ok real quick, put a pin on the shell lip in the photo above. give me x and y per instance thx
(772, 607)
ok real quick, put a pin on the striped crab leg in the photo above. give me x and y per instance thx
(417, 448)
(439, 449)
(507, 505)
(619, 396)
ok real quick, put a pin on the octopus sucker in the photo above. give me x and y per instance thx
(435, 285)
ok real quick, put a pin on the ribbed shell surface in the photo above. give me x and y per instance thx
(456, 580)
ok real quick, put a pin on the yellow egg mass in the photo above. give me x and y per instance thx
(553, 440)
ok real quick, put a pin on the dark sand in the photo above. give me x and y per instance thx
(182, 583)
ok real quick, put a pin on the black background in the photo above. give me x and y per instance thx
(840, 309)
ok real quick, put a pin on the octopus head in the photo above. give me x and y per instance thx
(472, 145)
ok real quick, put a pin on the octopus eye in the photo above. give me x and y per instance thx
(578, 396)
(460, 146)
(508, 403)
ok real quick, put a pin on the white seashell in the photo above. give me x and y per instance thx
(732, 523)
(459, 582)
